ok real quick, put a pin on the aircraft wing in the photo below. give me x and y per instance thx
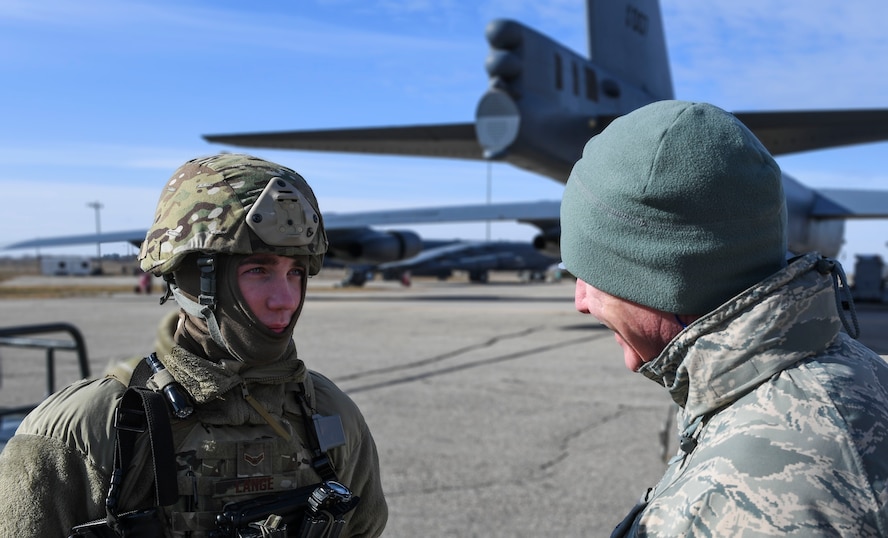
(134, 237)
(542, 210)
(456, 251)
(475, 257)
(456, 140)
(850, 204)
(781, 132)
(793, 131)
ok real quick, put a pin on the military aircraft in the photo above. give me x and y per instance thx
(545, 101)
(354, 244)
(477, 258)
(441, 258)
(349, 244)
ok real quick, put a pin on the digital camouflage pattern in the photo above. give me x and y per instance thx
(785, 418)
(234, 204)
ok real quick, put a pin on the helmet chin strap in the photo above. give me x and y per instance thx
(200, 311)
(204, 308)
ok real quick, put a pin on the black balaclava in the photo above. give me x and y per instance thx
(241, 335)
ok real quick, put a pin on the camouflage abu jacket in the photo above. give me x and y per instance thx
(784, 417)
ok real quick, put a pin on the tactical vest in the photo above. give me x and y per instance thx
(217, 465)
(224, 473)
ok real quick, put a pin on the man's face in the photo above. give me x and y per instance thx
(272, 287)
(641, 331)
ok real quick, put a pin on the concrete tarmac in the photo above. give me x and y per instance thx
(498, 410)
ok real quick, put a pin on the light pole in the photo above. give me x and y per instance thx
(489, 192)
(98, 206)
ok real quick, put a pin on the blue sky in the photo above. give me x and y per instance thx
(102, 100)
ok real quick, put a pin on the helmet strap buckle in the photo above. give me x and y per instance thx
(207, 266)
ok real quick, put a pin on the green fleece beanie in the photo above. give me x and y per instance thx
(676, 206)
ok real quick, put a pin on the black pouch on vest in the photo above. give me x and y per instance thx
(140, 411)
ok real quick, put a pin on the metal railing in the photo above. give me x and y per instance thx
(22, 336)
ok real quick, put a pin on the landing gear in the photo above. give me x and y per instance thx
(479, 277)
(357, 277)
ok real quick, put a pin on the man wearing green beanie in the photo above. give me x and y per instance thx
(673, 222)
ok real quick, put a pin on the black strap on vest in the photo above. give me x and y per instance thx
(321, 460)
(142, 410)
(141, 373)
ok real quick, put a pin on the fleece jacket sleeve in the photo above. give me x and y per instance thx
(46, 488)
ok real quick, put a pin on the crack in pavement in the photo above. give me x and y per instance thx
(465, 366)
(438, 358)
(543, 470)
(564, 446)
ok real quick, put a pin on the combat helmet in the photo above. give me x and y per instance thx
(234, 204)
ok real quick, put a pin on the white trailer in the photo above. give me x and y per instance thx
(66, 265)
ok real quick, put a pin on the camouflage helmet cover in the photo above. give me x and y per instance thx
(234, 204)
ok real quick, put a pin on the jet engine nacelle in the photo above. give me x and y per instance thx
(376, 247)
(549, 242)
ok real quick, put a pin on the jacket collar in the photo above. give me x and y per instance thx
(784, 319)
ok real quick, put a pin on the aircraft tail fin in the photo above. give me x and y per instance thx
(627, 38)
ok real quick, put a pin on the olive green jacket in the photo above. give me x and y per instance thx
(54, 473)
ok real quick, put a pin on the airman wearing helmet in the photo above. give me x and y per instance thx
(235, 238)
(213, 214)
